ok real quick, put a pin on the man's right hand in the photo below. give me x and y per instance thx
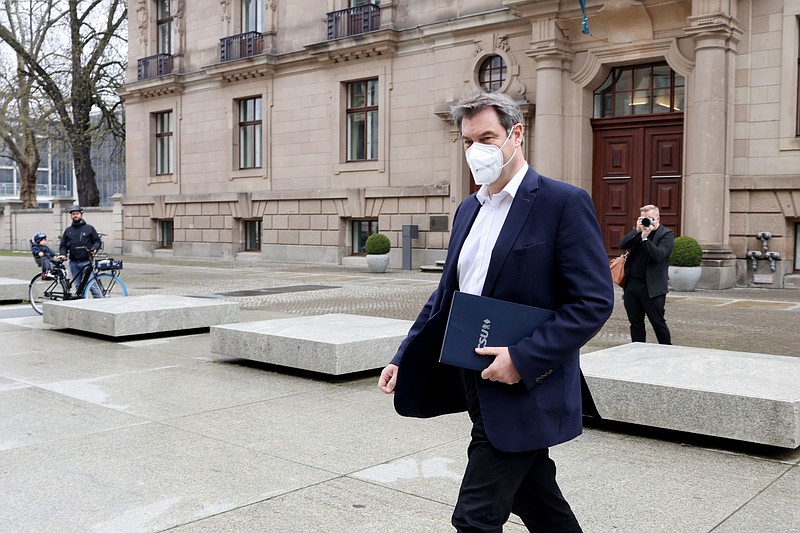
(388, 379)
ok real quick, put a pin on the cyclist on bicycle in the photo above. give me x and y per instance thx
(80, 242)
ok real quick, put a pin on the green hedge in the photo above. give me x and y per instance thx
(377, 243)
(687, 252)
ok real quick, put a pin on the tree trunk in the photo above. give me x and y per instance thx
(88, 194)
(27, 186)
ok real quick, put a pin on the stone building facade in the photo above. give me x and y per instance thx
(288, 130)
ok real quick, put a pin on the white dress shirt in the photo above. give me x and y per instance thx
(473, 262)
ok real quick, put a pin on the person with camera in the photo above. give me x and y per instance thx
(80, 242)
(649, 246)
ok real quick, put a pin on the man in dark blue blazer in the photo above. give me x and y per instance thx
(532, 240)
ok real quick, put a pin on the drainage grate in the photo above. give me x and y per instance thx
(276, 290)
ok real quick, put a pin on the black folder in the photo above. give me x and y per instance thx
(477, 321)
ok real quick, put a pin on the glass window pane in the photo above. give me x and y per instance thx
(661, 76)
(623, 82)
(661, 103)
(622, 104)
(372, 135)
(245, 147)
(641, 103)
(678, 103)
(257, 146)
(355, 134)
(642, 78)
(163, 9)
(355, 95)
(6, 175)
(257, 108)
(372, 93)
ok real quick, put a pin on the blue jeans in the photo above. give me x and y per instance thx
(75, 268)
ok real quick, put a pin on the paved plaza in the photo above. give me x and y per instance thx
(158, 433)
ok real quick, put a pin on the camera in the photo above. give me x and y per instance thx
(648, 221)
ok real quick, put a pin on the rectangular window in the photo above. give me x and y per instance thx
(164, 26)
(362, 120)
(250, 133)
(167, 231)
(164, 143)
(797, 246)
(252, 15)
(361, 230)
(252, 235)
(797, 89)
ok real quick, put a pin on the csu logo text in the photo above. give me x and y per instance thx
(484, 336)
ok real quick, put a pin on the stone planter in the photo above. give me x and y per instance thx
(377, 263)
(684, 279)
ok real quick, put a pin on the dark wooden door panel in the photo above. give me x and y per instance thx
(635, 166)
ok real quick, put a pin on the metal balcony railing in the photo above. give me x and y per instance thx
(354, 21)
(240, 46)
(154, 66)
(60, 191)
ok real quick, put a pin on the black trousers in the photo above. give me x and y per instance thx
(638, 304)
(498, 483)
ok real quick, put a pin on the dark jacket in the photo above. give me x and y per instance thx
(657, 248)
(549, 254)
(36, 248)
(79, 240)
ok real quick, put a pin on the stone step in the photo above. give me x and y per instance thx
(139, 315)
(431, 268)
(13, 289)
(330, 344)
(749, 397)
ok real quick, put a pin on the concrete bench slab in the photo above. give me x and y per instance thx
(13, 289)
(330, 344)
(139, 315)
(749, 397)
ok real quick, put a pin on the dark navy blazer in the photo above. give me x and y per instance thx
(549, 254)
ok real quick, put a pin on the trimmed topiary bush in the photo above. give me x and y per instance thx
(377, 244)
(687, 252)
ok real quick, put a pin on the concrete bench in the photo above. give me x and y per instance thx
(330, 344)
(139, 315)
(13, 289)
(736, 395)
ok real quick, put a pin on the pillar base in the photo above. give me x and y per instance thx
(719, 269)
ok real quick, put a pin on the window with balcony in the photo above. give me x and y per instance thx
(492, 73)
(161, 63)
(362, 16)
(250, 133)
(252, 235)
(361, 230)
(163, 27)
(362, 120)
(640, 90)
(164, 147)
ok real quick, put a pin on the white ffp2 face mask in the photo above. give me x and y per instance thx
(486, 161)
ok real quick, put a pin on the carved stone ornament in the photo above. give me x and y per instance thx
(142, 22)
(225, 10)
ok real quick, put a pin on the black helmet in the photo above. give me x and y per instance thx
(38, 237)
(75, 207)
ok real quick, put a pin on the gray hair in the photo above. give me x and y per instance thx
(476, 101)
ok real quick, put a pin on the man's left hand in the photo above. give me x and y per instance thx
(502, 368)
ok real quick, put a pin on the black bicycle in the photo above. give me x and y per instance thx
(98, 279)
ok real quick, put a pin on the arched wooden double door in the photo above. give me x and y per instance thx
(637, 161)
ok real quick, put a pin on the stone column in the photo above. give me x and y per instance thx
(553, 57)
(709, 145)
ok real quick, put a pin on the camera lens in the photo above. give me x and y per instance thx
(646, 221)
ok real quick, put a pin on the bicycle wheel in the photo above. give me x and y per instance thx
(108, 285)
(41, 289)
